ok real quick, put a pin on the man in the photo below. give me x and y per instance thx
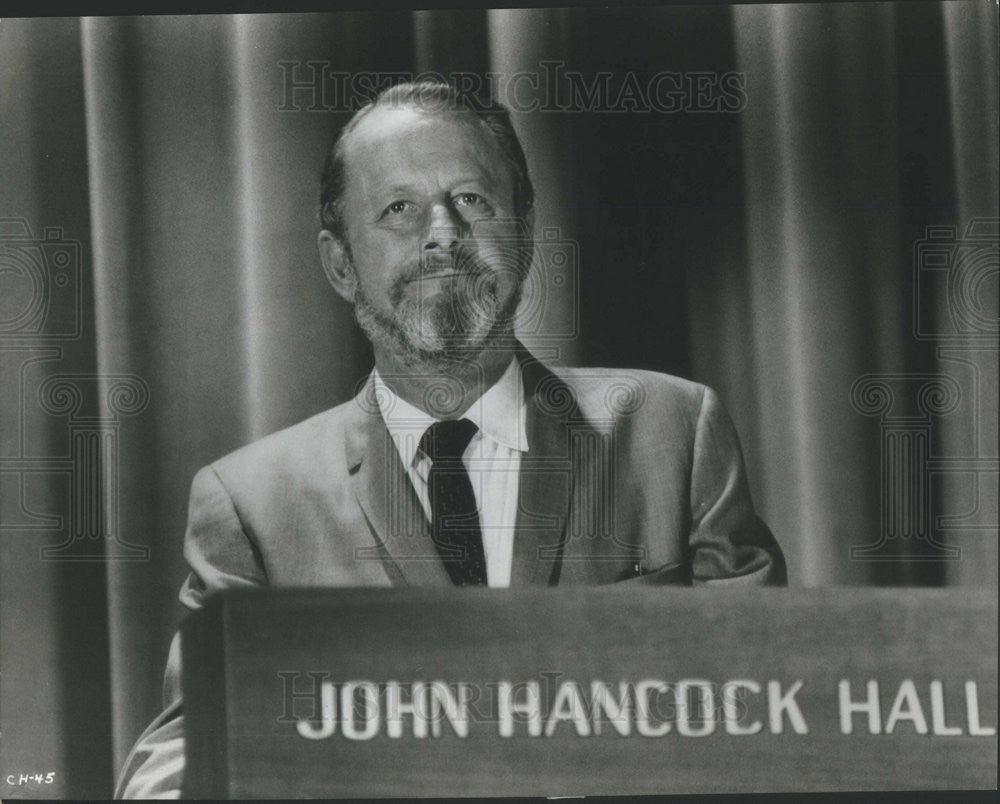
(463, 460)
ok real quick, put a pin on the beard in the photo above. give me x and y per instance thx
(468, 314)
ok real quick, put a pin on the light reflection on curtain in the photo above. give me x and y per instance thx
(767, 253)
(843, 177)
(822, 218)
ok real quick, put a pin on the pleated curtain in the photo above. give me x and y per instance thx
(770, 252)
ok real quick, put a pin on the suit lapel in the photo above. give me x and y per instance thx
(383, 490)
(546, 479)
(545, 487)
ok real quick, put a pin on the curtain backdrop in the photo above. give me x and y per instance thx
(163, 173)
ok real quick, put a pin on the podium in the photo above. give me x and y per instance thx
(589, 691)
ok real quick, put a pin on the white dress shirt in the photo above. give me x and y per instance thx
(493, 459)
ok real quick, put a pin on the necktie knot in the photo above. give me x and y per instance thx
(448, 439)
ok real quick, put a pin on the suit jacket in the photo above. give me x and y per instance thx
(630, 476)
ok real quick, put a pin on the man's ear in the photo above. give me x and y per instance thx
(337, 264)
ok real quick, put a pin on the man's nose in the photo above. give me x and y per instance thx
(444, 228)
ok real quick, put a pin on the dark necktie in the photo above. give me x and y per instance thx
(454, 518)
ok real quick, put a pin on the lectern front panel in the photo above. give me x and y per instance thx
(336, 693)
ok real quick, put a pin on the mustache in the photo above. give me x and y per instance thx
(461, 261)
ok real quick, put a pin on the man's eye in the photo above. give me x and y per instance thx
(472, 206)
(470, 200)
(397, 208)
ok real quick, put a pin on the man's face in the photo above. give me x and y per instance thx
(437, 257)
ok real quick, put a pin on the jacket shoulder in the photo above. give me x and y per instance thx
(318, 440)
(602, 392)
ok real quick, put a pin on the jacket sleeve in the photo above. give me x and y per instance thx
(728, 542)
(221, 556)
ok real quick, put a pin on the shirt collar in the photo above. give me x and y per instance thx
(499, 414)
